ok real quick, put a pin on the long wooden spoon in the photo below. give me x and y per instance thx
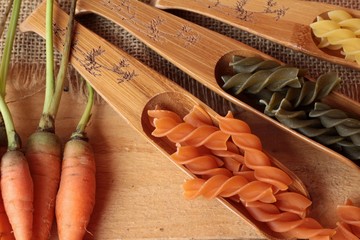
(132, 88)
(286, 22)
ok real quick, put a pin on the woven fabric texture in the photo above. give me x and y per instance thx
(29, 51)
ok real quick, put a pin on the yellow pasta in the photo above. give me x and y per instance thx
(340, 31)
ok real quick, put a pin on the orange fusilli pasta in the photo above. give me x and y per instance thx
(254, 157)
(177, 131)
(239, 170)
(348, 227)
(200, 161)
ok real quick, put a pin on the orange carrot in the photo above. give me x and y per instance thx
(16, 183)
(17, 193)
(5, 226)
(43, 149)
(76, 197)
(6, 232)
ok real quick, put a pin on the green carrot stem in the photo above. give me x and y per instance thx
(5, 17)
(84, 120)
(47, 121)
(5, 61)
(54, 106)
(12, 137)
(50, 80)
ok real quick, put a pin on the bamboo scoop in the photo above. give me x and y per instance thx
(201, 53)
(132, 88)
(286, 22)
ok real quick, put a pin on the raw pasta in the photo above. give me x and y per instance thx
(254, 157)
(304, 96)
(200, 161)
(184, 133)
(297, 108)
(348, 227)
(251, 179)
(347, 128)
(223, 186)
(328, 126)
(340, 31)
(345, 20)
(254, 74)
(288, 222)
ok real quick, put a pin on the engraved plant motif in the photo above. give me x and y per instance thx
(241, 12)
(280, 12)
(89, 60)
(125, 75)
(123, 8)
(152, 28)
(271, 7)
(187, 34)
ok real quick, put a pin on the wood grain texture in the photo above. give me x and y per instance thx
(139, 194)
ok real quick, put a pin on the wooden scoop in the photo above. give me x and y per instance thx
(286, 22)
(132, 88)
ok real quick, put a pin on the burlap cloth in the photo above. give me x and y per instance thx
(29, 52)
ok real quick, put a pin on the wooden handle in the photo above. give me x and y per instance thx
(122, 81)
(286, 22)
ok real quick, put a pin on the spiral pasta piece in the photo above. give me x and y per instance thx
(341, 30)
(233, 158)
(328, 126)
(288, 222)
(253, 77)
(348, 226)
(254, 157)
(254, 74)
(223, 186)
(345, 20)
(200, 161)
(292, 202)
(251, 64)
(304, 96)
(331, 117)
(186, 134)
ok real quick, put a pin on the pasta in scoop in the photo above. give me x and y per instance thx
(340, 31)
(241, 172)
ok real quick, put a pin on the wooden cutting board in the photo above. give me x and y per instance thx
(139, 194)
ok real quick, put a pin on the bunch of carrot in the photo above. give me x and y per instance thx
(38, 183)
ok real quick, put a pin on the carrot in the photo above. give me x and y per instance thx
(76, 197)
(5, 226)
(16, 184)
(17, 193)
(44, 150)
